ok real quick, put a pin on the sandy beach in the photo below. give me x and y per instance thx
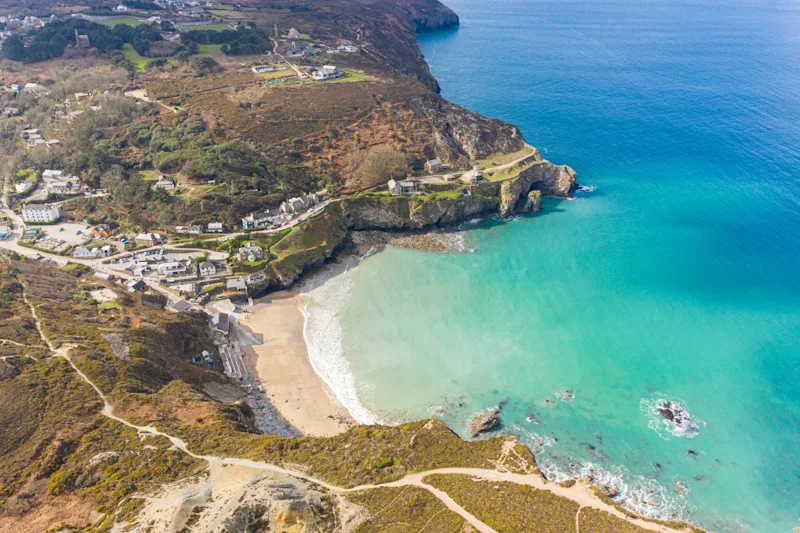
(282, 366)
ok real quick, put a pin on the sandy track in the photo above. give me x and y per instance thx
(579, 492)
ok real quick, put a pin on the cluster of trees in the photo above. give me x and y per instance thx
(51, 40)
(234, 42)
(141, 4)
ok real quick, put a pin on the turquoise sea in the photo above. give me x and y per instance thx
(677, 278)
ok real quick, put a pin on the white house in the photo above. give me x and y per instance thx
(22, 188)
(251, 252)
(471, 177)
(434, 165)
(216, 227)
(164, 183)
(81, 252)
(40, 213)
(261, 69)
(293, 34)
(172, 268)
(327, 72)
(207, 268)
(398, 188)
(236, 284)
(121, 8)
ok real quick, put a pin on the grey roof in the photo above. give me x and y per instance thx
(222, 322)
(208, 264)
(181, 305)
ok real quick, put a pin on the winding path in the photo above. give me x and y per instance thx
(578, 492)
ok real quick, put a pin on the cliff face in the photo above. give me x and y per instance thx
(543, 177)
(402, 213)
(460, 135)
(431, 16)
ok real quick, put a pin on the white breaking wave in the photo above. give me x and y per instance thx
(670, 416)
(321, 303)
(641, 495)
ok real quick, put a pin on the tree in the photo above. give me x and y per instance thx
(14, 49)
(203, 65)
(381, 164)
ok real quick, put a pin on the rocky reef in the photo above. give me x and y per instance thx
(484, 422)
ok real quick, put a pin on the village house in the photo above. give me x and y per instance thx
(22, 188)
(434, 165)
(220, 322)
(293, 34)
(181, 306)
(257, 220)
(136, 285)
(251, 252)
(34, 88)
(399, 188)
(164, 183)
(261, 69)
(172, 268)
(105, 230)
(148, 239)
(207, 268)
(81, 252)
(216, 227)
(57, 182)
(40, 213)
(327, 72)
(472, 177)
(236, 284)
(256, 277)
(121, 8)
(104, 276)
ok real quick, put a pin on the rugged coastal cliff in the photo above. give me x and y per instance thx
(413, 213)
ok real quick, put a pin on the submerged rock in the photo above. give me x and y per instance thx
(484, 422)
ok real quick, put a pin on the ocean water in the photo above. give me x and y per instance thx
(676, 278)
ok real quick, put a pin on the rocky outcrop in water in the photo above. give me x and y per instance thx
(539, 175)
(484, 422)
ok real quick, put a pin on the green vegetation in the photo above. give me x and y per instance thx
(496, 160)
(597, 521)
(230, 14)
(116, 21)
(205, 27)
(209, 49)
(510, 172)
(385, 462)
(139, 62)
(508, 507)
(234, 42)
(351, 458)
(352, 76)
(51, 40)
(405, 510)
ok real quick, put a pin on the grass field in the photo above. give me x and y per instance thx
(209, 49)
(206, 27)
(351, 76)
(115, 21)
(495, 160)
(230, 14)
(133, 56)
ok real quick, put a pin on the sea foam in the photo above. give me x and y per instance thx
(321, 302)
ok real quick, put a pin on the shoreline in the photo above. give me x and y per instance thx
(282, 367)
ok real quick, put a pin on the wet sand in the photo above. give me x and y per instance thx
(282, 366)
